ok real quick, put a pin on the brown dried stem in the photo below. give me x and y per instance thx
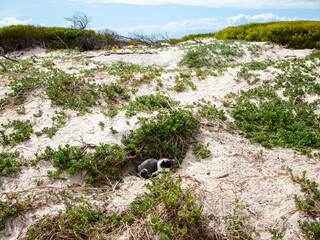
(3, 55)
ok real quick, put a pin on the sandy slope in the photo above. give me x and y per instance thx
(258, 177)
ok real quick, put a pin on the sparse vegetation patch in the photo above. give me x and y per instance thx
(149, 103)
(9, 163)
(216, 54)
(263, 116)
(309, 204)
(21, 132)
(66, 90)
(166, 209)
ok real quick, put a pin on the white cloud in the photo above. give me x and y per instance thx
(69, 24)
(243, 19)
(195, 25)
(250, 4)
(190, 24)
(202, 25)
(13, 21)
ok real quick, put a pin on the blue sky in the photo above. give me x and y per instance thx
(177, 18)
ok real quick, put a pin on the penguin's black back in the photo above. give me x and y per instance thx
(151, 165)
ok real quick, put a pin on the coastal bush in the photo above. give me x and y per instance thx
(103, 164)
(173, 212)
(293, 34)
(276, 122)
(19, 37)
(76, 221)
(113, 93)
(263, 116)
(24, 66)
(254, 65)
(22, 88)
(182, 81)
(167, 136)
(166, 209)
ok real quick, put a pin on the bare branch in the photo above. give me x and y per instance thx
(151, 40)
(79, 20)
(112, 35)
(4, 67)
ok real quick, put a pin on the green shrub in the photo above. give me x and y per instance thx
(293, 34)
(168, 136)
(173, 211)
(254, 65)
(103, 165)
(264, 117)
(22, 87)
(70, 91)
(19, 37)
(113, 93)
(182, 81)
(77, 221)
(276, 123)
(57, 122)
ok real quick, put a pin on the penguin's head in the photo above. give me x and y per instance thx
(166, 163)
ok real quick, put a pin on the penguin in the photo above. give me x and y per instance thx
(152, 167)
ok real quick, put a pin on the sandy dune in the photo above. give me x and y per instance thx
(236, 168)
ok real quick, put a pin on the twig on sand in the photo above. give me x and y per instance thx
(2, 55)
(86, 145)
(224, 175)
(124, 53)
(113, 53)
